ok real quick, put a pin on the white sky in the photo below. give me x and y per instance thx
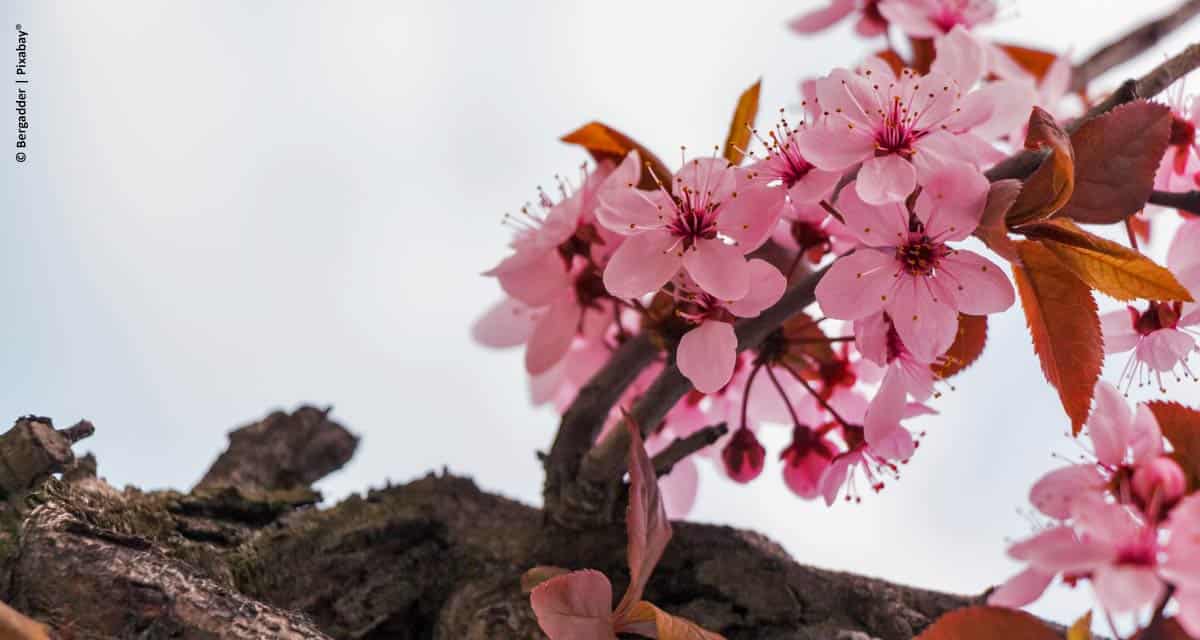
(231, 207)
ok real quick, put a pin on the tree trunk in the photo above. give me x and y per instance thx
(247, 555)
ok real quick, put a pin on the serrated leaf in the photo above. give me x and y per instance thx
(1181, 427)
(1082, 629)
(993, 229)
(1062, 319)
(644, 617)
(739, 127)
(1036, 61)
(574, 606)
(538, 575)
(606, 143)
(1116, 157)
(645, 520)
(988, 623)
(968, 346)
(1107, 266)
(1050, 186)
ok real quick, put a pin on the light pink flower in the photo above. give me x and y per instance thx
(707, 354)
(785, 167)
(1182, 159)
(906, 268)
(904, 130)
(1164, 335)
(870, 22)
(930, 18)
(1110, 544)
(1122, 440)
(1182, 564)
(710, 219)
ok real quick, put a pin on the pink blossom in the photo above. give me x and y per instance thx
(870, 22)
(810, 230)
(786, 167)
(906, 268)
(1182, 159)
(1122, 439)
(874, 461)
(1164, 335)
(706, 354)
(1182, 563)
(930, 18)
(904, 130)
(1110, 544)
(710, 219)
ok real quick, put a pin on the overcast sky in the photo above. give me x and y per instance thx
(231, 207)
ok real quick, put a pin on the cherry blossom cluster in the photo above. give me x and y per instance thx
(879, 182)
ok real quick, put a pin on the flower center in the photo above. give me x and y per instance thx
(695, 218)
(897, 134)
(1141, 553)
(920, 255)
(1183, 132)
(1159, 315)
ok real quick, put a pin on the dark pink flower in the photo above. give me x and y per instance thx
(743, 456)
(870, 22)
(805, 461)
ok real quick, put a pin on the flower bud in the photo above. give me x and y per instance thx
(1161, 477)
(743, 456)
(805, 460)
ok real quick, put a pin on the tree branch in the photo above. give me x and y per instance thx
(605, 463)
(1023, 163)
(1131, 45)
(1184, 201)
(681, 448)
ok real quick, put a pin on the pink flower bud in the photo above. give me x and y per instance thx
(743, 456)
(805, 460)
(1161, 477)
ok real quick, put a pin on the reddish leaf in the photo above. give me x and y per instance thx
(539, 574)
(1051, 185)
(743, 120)
(575, 606)
(806, 342)
(988, 623)
(993, 229)
(1035, 61)
(968, 346)
(1168, 629)
(1181, 426)
(645, 520)
(1116, 157)
(606, 143)
(1062, 319)
(923, 54)
(1107, 266)
(645, 617)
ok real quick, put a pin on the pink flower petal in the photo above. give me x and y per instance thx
(885, 179)
(882, 225)
(848, 95)
(910, 18)
(534, 278)
(719, 269)
(1054, 492)
(1182, 254)
(816, 185)
(857, 285)
(706, 355)
(1119, 332)
(766, 287)
(961, 57)
(926, 325)
(1188, 614)
(1011, 101)
(1164, 349)
(897, 445)
(836, 143)
(1021, 589)
(714, 178)
(883, 414)
(553, 334)
(574, 606)
(1182, 563)
(835, 476)
(1145, 438)
(752, 215)
(952, 202)
(1103, 522)
(974, 283)
(1109, 424)
(871, 338)
(642, 264)
(1059, 549)
(1122, 589)
(821, 19)
(507, 324)
(680, 487)
(625, 209)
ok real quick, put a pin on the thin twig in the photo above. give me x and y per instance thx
(1184, 201)
(1131, 45)
(1023, 163)
(681, 448)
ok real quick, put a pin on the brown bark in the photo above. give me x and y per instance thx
(435, 558)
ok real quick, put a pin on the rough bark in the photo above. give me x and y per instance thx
(435, 558)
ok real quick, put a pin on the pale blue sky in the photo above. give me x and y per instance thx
(235, 206)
